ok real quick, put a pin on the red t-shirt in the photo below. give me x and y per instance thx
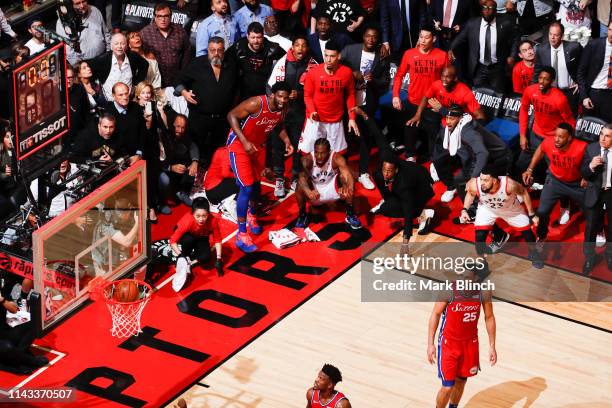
(424, 69)
(327, 94)
(460, 95)
(549, 110)
(188, 224)
(521, 77)
(219, 169)
(564, 164)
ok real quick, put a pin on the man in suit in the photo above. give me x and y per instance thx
(400, 26)
(564, 57)
(596, 170)
(130, 123)
(491, 43)
(448, 18)
(118, 65)
(324, 33)
(405, 187)
(595, 77)
(371, 76)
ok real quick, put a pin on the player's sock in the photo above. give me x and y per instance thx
(242, 205)
(453, 405)
(350, 210)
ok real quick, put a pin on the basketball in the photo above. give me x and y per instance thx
(126, 291)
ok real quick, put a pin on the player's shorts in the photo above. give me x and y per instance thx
(247, 167)
(485, 218)
(313, 130)
(327, 192)
(457, 358)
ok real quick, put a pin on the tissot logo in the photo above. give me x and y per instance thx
(42, 134)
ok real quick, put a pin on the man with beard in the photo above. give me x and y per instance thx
(252, 122)
(497, 196)
(209, 85)
(323, 393)
(219, 24)
(255, 56)
(37, 43)
(292, 69)
(424, 63)
(100, 143)
(564, 179)
(252, 11)
(180, 166)
(325, 178)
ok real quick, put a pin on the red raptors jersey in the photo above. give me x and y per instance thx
(423, 69)
(257, 128)
(460, 95)
(460, 318)
(522, 77)
(549, 110)
(327, 94)
(315, 402)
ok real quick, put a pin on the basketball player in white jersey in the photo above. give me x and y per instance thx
(323, 393)
(325, 178)
(498, 197)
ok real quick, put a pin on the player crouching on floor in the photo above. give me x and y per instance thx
(498, 197)
(193, 233)
(325, 177)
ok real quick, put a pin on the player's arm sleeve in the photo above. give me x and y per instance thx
(524, 113)
(309, 90)
(350, 99)
(216, 231)
(516, 79)
(399, 76)
(181, 228)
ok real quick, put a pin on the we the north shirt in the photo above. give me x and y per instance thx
(327, 94)
(423, 69)
(549, 110)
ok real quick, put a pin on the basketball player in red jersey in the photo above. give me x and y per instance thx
(323, 393)
(424, 63)
(458, 341)
(327, 88)
(247, 153)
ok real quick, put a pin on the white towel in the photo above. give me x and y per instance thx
(452, 141)
(283, 238)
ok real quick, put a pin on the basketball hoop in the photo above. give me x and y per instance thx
(125, 315)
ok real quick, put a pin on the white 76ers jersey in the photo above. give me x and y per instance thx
(324, 174)
(501, 200)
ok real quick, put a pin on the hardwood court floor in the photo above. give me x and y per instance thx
(543, 360)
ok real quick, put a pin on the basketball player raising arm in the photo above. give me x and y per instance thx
(457, 357)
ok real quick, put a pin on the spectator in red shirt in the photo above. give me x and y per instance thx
(193, 233)
(550, 107)
(564, 180)
(522, 73)
(424, 63)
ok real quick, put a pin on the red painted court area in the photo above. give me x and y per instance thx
(187, 335)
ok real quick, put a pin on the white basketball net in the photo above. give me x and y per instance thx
(126, 316)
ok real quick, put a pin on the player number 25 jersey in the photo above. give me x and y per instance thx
(460, 318)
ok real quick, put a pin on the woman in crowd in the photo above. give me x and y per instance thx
(92, 87)
(135, 44)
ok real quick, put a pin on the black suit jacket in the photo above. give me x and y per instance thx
(391, 22)
(507, 36)
(594, 178)
(435, 12)
(130, 127)
(315, 46)
(101, 66)
(572, 52)
(351, 57)
(591, 63)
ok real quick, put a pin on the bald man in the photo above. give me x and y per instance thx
(118, 65)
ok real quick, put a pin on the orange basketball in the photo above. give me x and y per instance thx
(126, 291)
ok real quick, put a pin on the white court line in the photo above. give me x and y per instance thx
(38, 372)
(230, 236)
